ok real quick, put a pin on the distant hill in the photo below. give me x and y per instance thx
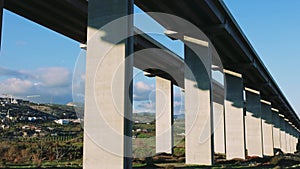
(146, 117)
(179, 116)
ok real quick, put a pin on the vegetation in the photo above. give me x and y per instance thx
(30, 137)
(43, 143)
(40, 152)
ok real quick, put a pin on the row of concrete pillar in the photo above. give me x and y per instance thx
(241, 127)
(249, 124)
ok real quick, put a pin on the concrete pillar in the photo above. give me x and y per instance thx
(267, 128)
(276, 129)
(198, 105)
(219, 130)
(294, 140)
(282, 135)
(287, 137)
(290, 138)
(297, 139)
(253, 132)
(164, 115)
(234, 115)
(108, 92)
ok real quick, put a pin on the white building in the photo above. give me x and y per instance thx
(62, 121)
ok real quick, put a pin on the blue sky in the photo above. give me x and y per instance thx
(272, 27)
(35, 61)
(38, 61)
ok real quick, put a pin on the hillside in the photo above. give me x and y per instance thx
(32, 135)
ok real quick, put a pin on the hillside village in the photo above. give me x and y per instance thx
(26, 119)
(32, 133)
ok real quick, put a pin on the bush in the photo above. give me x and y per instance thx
(145, 135)
(179, 152)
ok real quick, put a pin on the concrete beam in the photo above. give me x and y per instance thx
(253, 124)
(267, 128)
(108, 93)
(164, 116)
(234, 115)
(198, 105)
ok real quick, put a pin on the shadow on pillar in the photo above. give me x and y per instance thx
(198, 104)
(234, 116)
(298, 145)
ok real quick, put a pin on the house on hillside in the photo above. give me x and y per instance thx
(62, 121)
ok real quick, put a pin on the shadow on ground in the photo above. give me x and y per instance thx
(165, 161)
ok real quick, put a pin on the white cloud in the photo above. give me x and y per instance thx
(48, 82)
(15, 86)
(143, 91)
(54, 76)
(142, 87)
(144, 106)
(147, 105)
(177, 103)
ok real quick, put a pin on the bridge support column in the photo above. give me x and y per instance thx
(219, 130)
(282, 135)
(287, 137)
(108, 103)
(198, 104)
(296, 138)
(276, 128)
(234, 116)
(294, 141)
(291, 139)
(267, 128)
(164, 115)
(253, 123)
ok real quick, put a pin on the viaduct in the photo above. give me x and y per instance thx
(248, 115)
